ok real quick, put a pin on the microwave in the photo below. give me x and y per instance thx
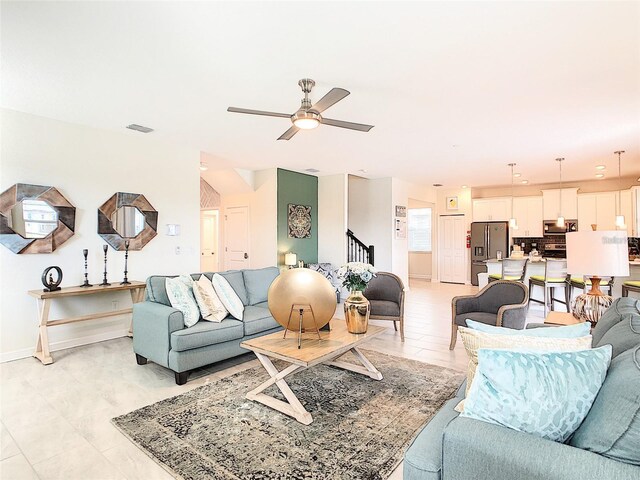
(549, 227)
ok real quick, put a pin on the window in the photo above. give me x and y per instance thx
(419, 221)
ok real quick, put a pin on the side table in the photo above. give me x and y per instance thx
(44, 299)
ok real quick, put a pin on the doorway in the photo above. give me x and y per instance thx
(236, 238)
(453, 249)
(209, 228)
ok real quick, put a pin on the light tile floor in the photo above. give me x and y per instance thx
(55, 420)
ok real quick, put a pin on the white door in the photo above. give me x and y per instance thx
(453, 249)
(236, 228)
(209, 241)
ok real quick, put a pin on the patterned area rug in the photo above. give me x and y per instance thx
(360, 429)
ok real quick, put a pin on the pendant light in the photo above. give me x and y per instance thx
(513, 223)
(560, 220)
(620, 222)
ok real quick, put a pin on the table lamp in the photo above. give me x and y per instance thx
(290, 259)
(596, 254)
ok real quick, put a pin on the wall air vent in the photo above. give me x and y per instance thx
(139, 128)
(312, 170)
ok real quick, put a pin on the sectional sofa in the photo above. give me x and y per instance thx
(159, 333)
(453, 448)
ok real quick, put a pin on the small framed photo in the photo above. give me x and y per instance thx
(401, 211)
(452, 203)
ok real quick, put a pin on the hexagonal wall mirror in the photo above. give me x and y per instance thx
(35, 218)
(127, 216)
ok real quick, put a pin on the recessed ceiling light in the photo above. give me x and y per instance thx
(203, 166)
(465, 186)
(600, 167)
(599, 175)
(139, 128)
(517, 175)
(524, 182)
(437, 184)
(312, 170)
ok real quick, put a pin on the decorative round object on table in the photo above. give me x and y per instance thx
(49, 283)
(356, 312)
(301, 289)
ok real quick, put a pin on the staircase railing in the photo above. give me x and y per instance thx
(357, 251)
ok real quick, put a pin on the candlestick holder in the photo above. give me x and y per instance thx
(104, 279)
(126, 257)
(86, 283)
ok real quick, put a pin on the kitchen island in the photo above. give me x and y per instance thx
(494, 266)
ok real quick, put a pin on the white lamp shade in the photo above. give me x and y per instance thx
(601, 253)
(290, 259)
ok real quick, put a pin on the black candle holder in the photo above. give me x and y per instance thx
(104, 279)
(86, 283)
(126, 257)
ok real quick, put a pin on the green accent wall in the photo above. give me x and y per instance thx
(299, 189)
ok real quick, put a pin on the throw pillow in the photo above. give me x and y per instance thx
(180, 293)
(211, 308)
(544, 394)
(612, 428)
(228, 296)
(474, 340)
(569, 331)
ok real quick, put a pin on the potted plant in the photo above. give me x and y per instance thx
(355, 276)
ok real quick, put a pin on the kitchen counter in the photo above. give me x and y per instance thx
(494, 266)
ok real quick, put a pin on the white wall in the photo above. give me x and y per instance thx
(420, 263)
(332, 218)
(263, 218)
(370, 217)
(88, 166)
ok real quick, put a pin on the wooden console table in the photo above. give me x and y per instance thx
(42, 353)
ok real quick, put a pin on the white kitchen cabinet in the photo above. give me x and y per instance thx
(597, 208)
(528, 212)
(491, 209)
(552, 206)
(630, 202)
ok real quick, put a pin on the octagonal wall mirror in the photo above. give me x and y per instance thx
(127, 216)
(35, 218)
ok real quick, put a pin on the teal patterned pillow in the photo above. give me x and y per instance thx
(544, 394)
(180, 293)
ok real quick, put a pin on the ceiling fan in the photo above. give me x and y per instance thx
(309, 116)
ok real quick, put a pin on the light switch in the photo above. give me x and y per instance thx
(173, 229)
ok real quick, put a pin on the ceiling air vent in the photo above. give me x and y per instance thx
(312, 170)
(139, 128)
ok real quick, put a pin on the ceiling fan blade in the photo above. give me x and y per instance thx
(350, 125)
(289, 133)
(331, 98)
(258, 112)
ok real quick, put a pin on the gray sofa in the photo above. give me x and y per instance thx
(454, 448)
(159, 333)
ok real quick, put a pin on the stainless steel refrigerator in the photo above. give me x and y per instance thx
(487, 239)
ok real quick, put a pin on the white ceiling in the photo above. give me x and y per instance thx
(522, 82)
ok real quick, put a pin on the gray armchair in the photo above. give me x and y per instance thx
(385, 292)
(502, 303)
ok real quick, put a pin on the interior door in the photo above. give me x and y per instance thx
(453, 249)
(209, 241)
(236, 227)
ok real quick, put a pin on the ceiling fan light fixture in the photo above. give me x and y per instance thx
(306, 119)
(306, 123)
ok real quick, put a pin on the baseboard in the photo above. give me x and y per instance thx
(65, 344)
(421, 277)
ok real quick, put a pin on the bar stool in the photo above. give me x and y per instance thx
(555, 276)
(583, 282)
(512, 269)
(630, 286)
